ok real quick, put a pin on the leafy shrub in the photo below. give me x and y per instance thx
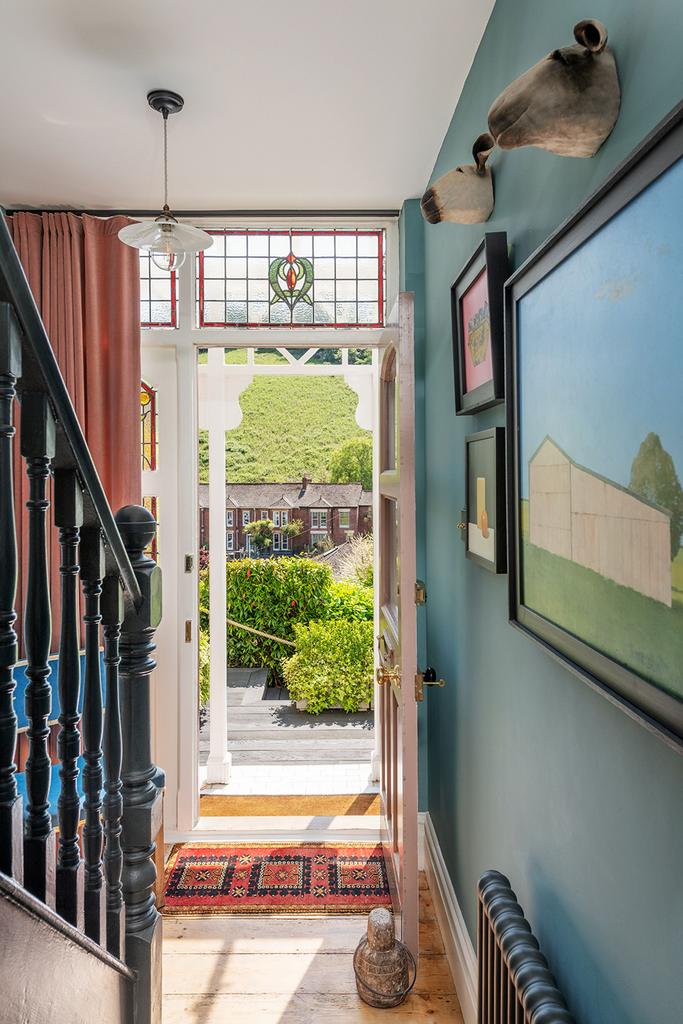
(358, 562)
(350, 601)
(332, 665)
(204, 679)
(272, 595)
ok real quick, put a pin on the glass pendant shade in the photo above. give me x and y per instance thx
(166, 240)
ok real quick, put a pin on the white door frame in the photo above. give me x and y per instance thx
(176, 747)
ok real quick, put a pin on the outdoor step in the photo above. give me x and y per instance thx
(336, 755)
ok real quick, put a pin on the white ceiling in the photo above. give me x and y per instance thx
(289, 104)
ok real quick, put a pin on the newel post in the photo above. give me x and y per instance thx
(142, 797)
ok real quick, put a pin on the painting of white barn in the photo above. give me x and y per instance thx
(599, 524)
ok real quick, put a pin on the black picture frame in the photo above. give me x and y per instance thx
(488, 447)
(658, 710)
(490, 256)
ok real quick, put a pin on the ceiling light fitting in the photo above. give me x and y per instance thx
(166, 239)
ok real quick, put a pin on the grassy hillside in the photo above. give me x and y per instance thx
(290, 426)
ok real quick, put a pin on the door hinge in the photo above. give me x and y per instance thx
(188, 631)
(420, 592)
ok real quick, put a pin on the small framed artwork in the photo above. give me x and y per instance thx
(595, 365)
(484, 520)
(477, 314)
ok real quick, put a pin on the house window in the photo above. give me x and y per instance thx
(319, 519)
(276, 518)
(344, 519)
(229, 541)
(285, 542)
(285, 518)
(229, 516)
(264, 514)
(148, 427)
(278, 278)
(245, 518)
(158, 295)
(151, 503)
(276, 542)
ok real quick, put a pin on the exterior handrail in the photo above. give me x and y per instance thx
(41, 372)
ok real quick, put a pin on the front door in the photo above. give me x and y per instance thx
(397, 633)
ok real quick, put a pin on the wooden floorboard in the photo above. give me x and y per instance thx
(273, 970)
(265, 728)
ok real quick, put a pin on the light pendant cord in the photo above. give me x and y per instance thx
(165, 161)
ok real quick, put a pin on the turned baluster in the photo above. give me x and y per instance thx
(142, 797)
(112, 615)
(68, 500)
(11, 825)
(92, 572)
(38, 448)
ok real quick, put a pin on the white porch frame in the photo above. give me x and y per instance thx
(170, 364)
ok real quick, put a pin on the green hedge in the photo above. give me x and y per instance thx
(332, 665)
(275, 595)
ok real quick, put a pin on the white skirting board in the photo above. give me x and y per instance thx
(460, 952)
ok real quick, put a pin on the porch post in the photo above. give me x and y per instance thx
(220, 761)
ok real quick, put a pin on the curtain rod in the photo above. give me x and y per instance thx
(261, 214)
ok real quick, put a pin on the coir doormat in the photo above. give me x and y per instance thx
(300, 878)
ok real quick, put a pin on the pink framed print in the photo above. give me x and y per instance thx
(477, 318)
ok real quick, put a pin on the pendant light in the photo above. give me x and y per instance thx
(167, 241)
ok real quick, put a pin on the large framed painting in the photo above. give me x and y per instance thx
(477, 321)
(594, 336)
(484, 520)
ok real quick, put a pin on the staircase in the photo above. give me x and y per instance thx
(80, 935)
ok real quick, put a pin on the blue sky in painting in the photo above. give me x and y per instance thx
(601, 341)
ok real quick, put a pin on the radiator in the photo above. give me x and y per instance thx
(515, 983)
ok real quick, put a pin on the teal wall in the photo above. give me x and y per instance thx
(530, 771)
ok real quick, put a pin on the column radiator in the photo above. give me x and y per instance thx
(515, 983)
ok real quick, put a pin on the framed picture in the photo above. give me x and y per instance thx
(484, 520)
(595, 459)
(477, 318)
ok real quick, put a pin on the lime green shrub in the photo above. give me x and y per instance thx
(350, 601)
(204, 679)
(332, 665)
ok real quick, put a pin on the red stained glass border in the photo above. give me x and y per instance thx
(293, 233)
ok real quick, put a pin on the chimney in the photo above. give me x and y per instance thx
(305, 481)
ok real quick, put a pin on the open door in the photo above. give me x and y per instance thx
(397, 632)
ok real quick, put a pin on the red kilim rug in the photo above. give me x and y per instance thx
(297, 878)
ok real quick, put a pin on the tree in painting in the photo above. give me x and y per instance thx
(653, 476)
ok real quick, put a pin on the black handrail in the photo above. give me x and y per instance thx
(41, 373)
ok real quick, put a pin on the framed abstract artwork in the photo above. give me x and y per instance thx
(477, 319)
(594, 356)
(484, 519)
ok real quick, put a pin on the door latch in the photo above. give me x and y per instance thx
(426, 678)
(388, 675)
(188, 631)
(420, 592)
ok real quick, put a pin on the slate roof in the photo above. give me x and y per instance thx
(290, 495)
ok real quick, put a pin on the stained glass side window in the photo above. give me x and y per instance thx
(148, 427)
(158, 295)
(292, 278)
(151, 503)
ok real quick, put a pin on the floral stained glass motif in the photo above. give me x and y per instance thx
(158, 295)
(292, 278)
(148, 427)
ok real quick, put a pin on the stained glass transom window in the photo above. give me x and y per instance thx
(148, 427)
(292, 278)
(151, 503)
(158, 295)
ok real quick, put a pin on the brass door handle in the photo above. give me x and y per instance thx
(388, 675)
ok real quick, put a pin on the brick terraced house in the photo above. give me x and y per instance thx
(329, 513)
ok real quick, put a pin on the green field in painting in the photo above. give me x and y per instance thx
(637, 631)
(290, 427)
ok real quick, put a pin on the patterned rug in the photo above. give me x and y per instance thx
(298, 878)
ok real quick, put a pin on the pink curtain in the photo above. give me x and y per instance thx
(86, 285)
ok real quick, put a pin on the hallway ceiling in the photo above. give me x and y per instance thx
(313, 105)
